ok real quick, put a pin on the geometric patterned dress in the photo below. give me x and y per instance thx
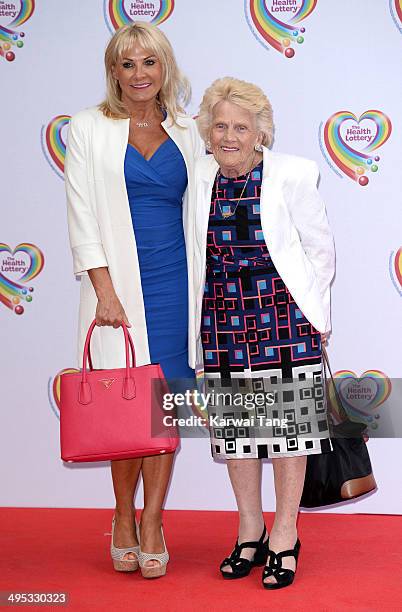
(262, 358)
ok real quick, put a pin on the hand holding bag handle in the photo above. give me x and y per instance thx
(106, 422)
(132, 351)
(128, 391)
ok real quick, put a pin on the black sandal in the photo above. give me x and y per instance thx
(284, 577)
(242, 567)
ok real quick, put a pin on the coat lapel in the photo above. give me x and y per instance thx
(178, 135)
(112, 141)
(206, 169)
(271, 202)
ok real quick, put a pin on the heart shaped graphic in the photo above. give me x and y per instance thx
(10, 37)
(270, 26)
(54, 389)
(54, 144)
(396, 12)
(351, 161)
(395, 269)
(119, 13)
(362, 396)
(12, 292)
(200, 413)
(56, 383)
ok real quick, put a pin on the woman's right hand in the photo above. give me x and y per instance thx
(109, 311)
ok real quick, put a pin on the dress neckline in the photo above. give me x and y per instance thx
(153, 154)
(242, 177)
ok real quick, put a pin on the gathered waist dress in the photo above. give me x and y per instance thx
(155, 189)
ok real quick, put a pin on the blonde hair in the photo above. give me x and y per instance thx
(175, 89)
(246, 95)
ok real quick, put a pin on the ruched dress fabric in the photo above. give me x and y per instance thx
(155, 189)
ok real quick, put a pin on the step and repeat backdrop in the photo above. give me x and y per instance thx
(332, 72)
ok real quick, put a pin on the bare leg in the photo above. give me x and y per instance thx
(289, 479)
(125, 475)
(155, 474)
(245, 476)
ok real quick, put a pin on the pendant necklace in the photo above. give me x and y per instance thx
(143, 124)
(231, 213)
(146, 123)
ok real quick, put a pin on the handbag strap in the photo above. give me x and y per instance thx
(131, 347)
(327, 368)
(128, 390)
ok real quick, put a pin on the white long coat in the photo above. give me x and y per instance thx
(101, 230)
(295, 228)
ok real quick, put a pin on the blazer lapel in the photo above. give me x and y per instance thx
(176, 133)
(115, 140)
(206, 169)
(270, 201)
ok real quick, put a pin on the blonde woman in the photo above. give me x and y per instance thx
(264, 262)
(129, 179)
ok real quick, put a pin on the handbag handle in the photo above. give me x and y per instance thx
(355, 429)
(132, 352)
(128, 390)
(327, 368)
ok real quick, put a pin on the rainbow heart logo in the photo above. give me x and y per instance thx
(16, 14)
(276, 23)
(351, 142)
(395, 269)
(395, 6)
(119, 13)
(53, 141)
(361, 396)
(54, 389)
(18, 267)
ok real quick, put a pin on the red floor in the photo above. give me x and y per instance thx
(347, 562)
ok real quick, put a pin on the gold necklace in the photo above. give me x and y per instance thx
(143, 124)
(146, 123)
(226, 215)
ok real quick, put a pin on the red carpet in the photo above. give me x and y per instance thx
(347, 562)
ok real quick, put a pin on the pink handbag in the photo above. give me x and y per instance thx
(114, 414)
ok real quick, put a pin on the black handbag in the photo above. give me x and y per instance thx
(345, 472)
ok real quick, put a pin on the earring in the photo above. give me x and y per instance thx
(258, 147)
(208, 145)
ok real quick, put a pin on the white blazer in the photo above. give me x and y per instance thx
(101, 230)
(295, 228)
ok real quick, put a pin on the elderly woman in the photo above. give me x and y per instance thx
(264, 262)
(129, 178)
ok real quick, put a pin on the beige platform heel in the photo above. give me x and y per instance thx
(158, 570)
(119, 563)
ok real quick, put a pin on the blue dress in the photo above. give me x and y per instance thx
(155, 189)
